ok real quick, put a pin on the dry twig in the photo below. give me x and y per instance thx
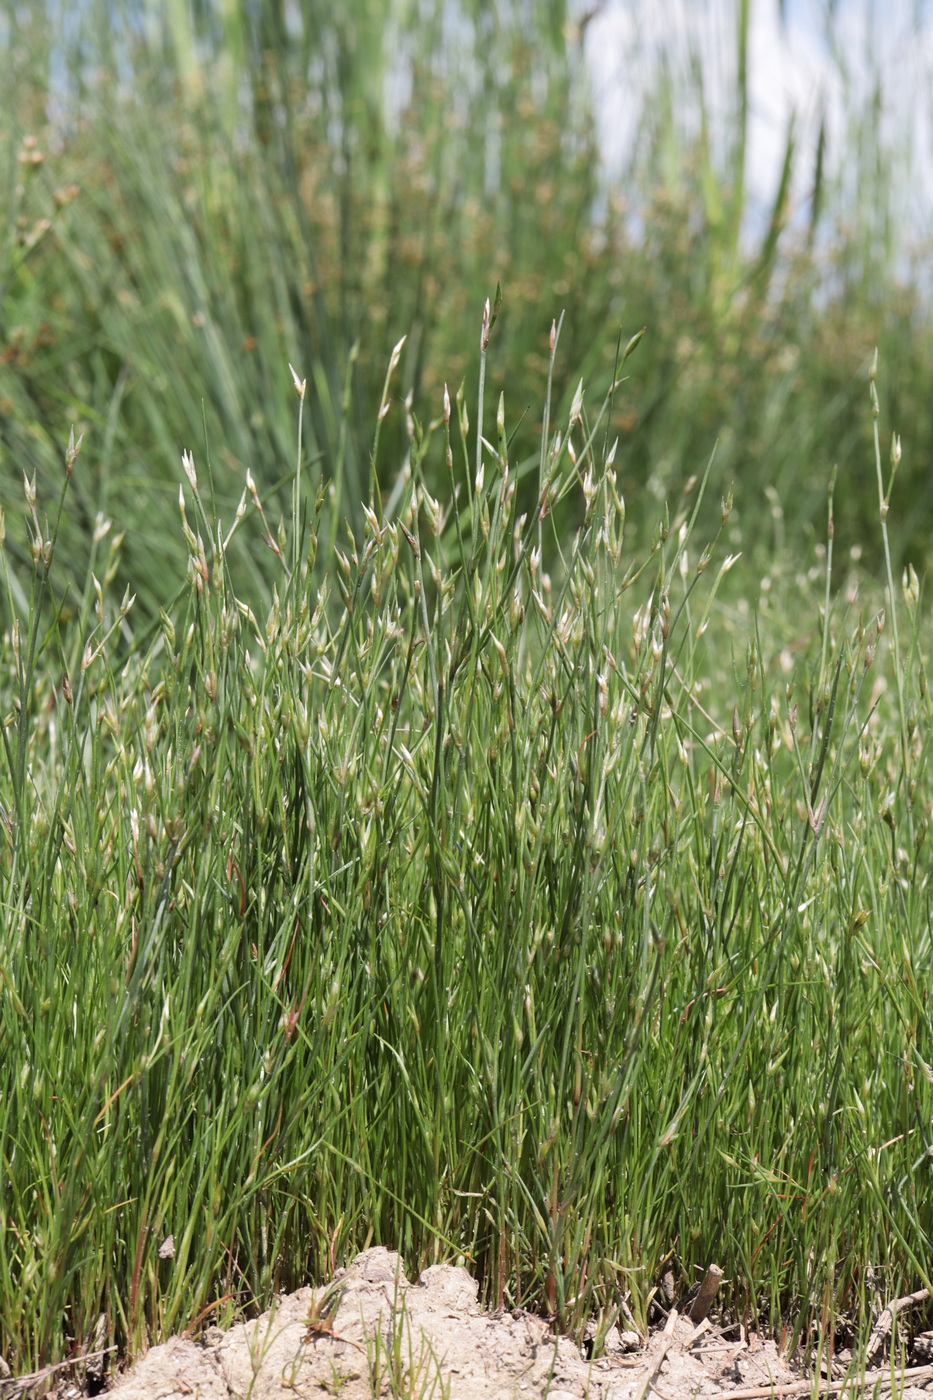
(16, 1386)
(869, 1380)
(657, 1361)
(704, 1299)
(882, 1328)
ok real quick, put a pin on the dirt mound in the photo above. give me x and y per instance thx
(372, 1333)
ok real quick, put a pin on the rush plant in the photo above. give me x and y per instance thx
(495, 892)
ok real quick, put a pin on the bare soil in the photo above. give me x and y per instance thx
(430, 1340)
(371, 1333)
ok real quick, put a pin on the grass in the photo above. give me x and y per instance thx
(496, 894)
(189, 204)
(432, 836)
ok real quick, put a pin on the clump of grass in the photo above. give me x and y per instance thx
(489, 893)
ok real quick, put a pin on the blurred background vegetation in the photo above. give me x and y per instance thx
(195, 194)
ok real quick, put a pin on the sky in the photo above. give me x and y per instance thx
(801, 62)
(805, 62)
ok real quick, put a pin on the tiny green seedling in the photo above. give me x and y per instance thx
(322, 1315)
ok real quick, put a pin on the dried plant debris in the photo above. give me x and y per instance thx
(370, 1333)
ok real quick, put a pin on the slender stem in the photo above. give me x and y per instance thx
(883, 504)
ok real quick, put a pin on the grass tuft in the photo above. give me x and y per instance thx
(490, 892)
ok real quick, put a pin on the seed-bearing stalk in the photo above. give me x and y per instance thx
(884, 502)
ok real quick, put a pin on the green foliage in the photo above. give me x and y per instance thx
(446, 870)
(226, 190)
(532, 903)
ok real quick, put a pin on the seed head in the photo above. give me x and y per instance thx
(187, 462)
(300, 384)
(73, 449)
(895, 451)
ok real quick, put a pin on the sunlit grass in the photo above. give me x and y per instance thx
(192, 201)
(527, 899)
